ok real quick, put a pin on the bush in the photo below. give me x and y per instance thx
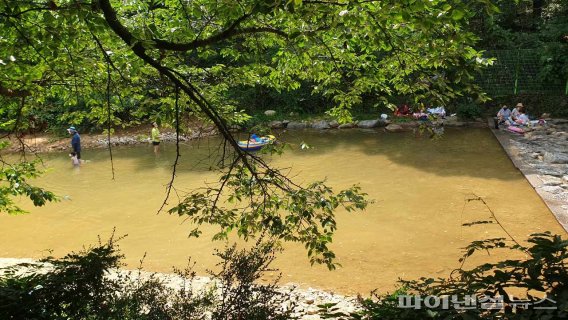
(80, 286)
(543, 274)
(469, 111)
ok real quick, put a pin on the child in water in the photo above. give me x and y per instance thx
(76, 162)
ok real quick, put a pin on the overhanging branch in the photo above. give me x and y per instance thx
(13, 93)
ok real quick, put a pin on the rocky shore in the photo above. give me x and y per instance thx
(44, 143)
(306, 300)
(542, 156)
(394, 125)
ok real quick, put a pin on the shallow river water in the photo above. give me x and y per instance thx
(413, 228)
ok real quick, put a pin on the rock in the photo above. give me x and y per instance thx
(550, 180)
(312, 311)
(321, 125)
(346, 126)
(535, 155)
(383, 123)
(551, 172)
(293, 114)
(565, 179)
(296, 125)
(555, 157)
(269, 113)
(334, 124)
(394, 128)
(552, 189)
(368, 123)
(276, 124)
(310, 300)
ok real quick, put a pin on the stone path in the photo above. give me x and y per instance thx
(542, 156)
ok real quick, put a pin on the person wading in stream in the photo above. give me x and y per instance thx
(155, 137)
(75, 141)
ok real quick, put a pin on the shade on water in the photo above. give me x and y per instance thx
(413, 228)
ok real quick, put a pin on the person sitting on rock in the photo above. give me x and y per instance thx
(402, 111)
(515, 112)
(502, 116)
(522, 119)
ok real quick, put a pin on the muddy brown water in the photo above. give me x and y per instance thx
(413, 229)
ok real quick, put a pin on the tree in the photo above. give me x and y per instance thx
(190, 53)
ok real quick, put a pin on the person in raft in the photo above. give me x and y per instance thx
(75, 141)
(502, 116)
(254, 138)
(155, 137)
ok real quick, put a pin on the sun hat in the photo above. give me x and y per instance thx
(72, 129)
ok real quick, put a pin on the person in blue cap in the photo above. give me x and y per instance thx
(75, 141)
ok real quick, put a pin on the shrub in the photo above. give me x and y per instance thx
(544, 274)
(469, 111)
(80, 286)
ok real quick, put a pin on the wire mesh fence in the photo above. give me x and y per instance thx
(518, 72)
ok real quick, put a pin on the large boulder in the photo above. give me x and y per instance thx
(321, 125)
(276, 124)
(410, 124)
(555, 157)
(394, 128)
(368, 123)
(550, 180)
(269, 113)
(347, 126)
(296, 125)
(552, 189)
(334, 124)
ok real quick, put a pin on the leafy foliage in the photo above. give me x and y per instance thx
(468, 111)
(14, 179)
(87, 285)
(262, 200)
(532, 288)
(106, 63)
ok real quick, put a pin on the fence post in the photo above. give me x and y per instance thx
(516, 74)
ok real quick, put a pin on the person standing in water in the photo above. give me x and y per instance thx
(75, 141)
(155, 137)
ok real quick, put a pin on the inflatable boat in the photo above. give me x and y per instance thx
(515, 129)
(256, 143)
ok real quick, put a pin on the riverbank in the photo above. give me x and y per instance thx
(542, 156)
(306, 300)
(41, 143)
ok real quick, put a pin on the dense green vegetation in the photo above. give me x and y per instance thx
(89, 285)
(104, 64)
(108, 63)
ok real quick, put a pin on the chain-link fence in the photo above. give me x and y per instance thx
(518, 72)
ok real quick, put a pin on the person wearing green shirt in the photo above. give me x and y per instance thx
(155, 137)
